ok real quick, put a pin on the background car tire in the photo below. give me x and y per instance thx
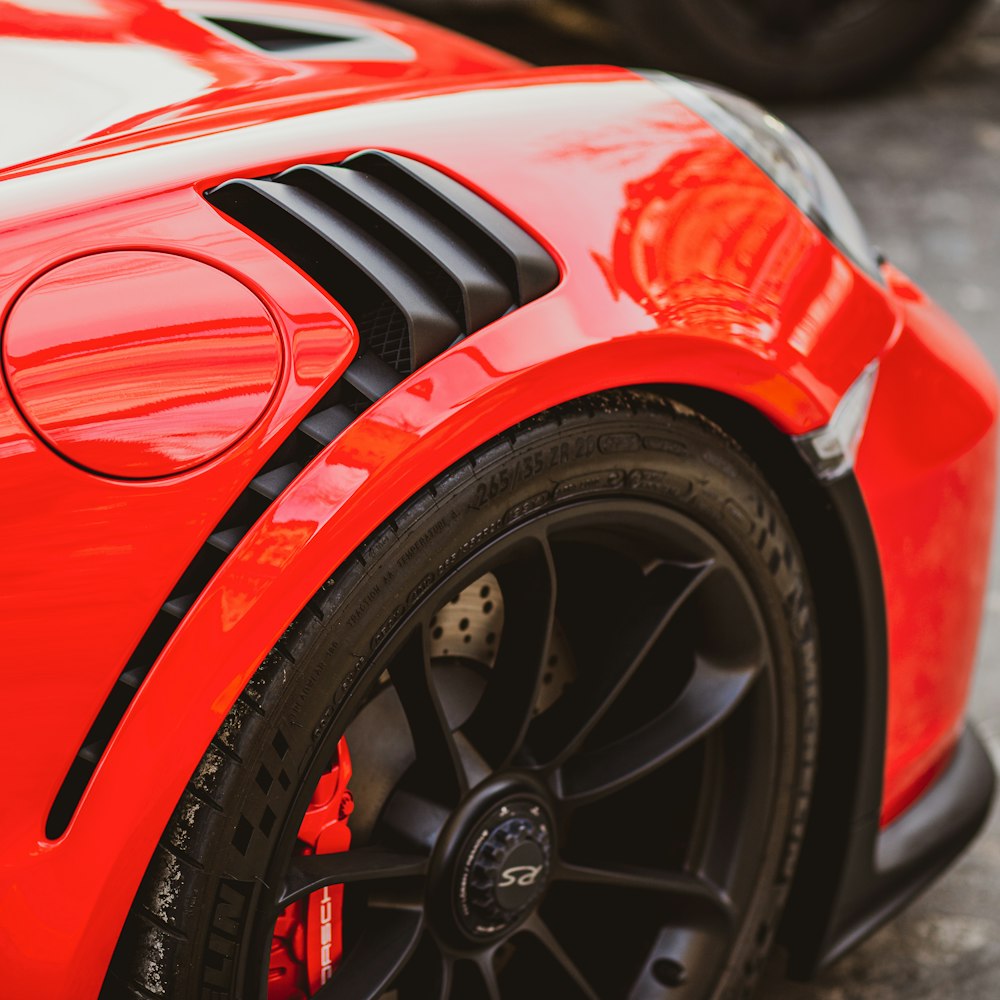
(192, 927)
(725, 41)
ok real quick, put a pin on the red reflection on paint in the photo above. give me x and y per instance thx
(140, 364)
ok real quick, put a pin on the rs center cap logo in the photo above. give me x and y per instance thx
(523, 875)
(503, 867)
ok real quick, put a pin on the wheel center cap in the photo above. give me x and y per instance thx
(503, 867)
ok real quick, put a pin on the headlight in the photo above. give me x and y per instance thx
(785, 157)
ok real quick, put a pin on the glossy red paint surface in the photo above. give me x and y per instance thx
(681, 264)
(138, 364)
(927, 468)
(96, 78)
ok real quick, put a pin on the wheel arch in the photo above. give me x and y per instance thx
(830, 523)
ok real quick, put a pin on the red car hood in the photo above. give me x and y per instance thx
(79, 74)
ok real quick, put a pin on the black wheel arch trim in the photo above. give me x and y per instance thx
(879, 870)
(835, 868)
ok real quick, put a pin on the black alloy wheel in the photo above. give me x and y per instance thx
(798, 49)
(599, 794)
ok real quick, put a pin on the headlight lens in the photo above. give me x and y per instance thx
(785, 157)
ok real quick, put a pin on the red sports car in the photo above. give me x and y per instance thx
(470, 531)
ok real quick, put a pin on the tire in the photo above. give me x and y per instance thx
(645, 520)
(868, 43)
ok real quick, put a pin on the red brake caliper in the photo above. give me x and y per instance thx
(308, 938)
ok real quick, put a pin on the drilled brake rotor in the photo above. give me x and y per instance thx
(469, 627)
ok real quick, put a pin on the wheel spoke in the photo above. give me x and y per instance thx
(536, 927)
(484, 963)
(309, 872)
(415, 819)
(645, 614)
(474, 764)
(446, 980)
(710, 697)
(528, 585)
(439, 770)
(385, 946)
(680, 886)
(429, 974)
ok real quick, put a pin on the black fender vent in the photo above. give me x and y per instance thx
(303, 39)
(417, 259)
(271, 35)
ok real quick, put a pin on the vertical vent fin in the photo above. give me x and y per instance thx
(346, 261)
(474, 292)
(530, 269)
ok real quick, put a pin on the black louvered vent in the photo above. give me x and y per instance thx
(305, 39)
(273, 36)
(417, 259)
(419, 262)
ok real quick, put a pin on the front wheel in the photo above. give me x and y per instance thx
(795, 49)
(548, 734)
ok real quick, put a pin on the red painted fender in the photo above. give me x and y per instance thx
(681, 263)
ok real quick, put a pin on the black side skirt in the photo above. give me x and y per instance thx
(913, 851)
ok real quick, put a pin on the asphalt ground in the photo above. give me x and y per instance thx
(921, 161)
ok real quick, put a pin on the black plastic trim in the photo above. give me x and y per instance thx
(371, 376)
(415, 234)
(271, 35)
(533, 270)
(957, 802)
(344, 259)
(844, 820)
(909, 854)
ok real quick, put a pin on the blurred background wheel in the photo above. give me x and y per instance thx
(797, 49)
